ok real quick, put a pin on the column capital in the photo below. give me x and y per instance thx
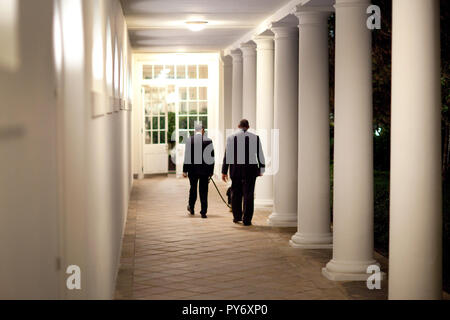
(312, 15)
(248, 49)
(264, 42)
(236, 54)
(284, 29)
(227, 60)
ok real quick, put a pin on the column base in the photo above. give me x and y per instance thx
(348, 271)
(312, 241)
(284, 220)
(263, 203)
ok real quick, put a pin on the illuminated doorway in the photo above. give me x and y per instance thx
(176, 91)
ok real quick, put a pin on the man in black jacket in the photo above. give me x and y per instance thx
(244, 157)
(199, 167)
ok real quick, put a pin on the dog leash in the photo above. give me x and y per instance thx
(218, 191)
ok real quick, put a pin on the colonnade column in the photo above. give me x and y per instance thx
(353, 146)
(227, 93)
(314, 132)
(286, 121)
(236, 109)
(249, 83)
(264, 114)
(415, 254)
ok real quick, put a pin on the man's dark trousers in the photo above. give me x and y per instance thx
(200, 181)
(243, 188)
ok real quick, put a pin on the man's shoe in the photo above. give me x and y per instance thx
(247, 224)
(237, 221)
(191, 211)
(204, 216)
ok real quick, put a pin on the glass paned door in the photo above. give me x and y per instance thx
(155, 115)
(155, 129)
(175, 96)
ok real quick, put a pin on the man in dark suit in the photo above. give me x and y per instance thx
(244, 157)
(199, 167)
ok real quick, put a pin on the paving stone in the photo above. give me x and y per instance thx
(169, 255)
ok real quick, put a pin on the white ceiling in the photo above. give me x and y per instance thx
(158, 25)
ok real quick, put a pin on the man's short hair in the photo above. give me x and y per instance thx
(244, 124)
(198, 126)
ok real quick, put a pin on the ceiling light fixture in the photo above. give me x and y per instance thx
(196, 25)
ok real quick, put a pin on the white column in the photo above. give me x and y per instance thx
(236, 113)
(228, 92)
(314, 133)
(264, 114)
(249, 83)
(285, 120)
(415, 255)
(353, 151)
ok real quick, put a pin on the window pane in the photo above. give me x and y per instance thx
(204, 121)
(171, 95)
(193, 107)
(147, 95)
(155, 123)
(183, 107)
(170, 72)
(191, 133)
(183, 93)
(192, 72)
(203, 93)
(155, 137)
(147, 72)
(147, 123)
(148, 137)
(162, 137)
(154, 94)
(162, 94)
(203, 107)
(162, 123)
(192, 94)
(183, 123)
(158, 72)
(181, 72)
(162, 109)
(156, 108)
(203, 71)
(192, 121)
(148, 109)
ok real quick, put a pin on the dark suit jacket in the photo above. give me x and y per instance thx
(244, 156)
(199, 156)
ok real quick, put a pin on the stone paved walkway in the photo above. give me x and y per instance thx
(169, 255)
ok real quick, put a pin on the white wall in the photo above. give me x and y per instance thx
(66, 163)
(97, 158)
(28, 158)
